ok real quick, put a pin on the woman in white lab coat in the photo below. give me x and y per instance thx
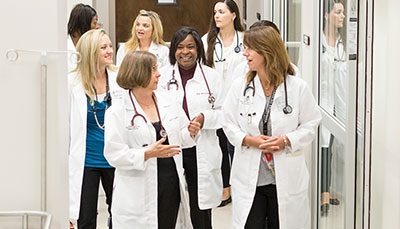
(90, 87)
(224, 51)
(269, 116)
(82, 19)
(145, 131)
(147, 35)
(197, 89)
(333, 100)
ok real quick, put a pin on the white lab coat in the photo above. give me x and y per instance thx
(161, 52)
(333, 85)
(334, 93)
(135, 184)
(70, 56)
(234, 60)
(291, 173)
(77, 145)
(208, 153)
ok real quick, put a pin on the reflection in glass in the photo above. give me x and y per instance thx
(333, 99)
(332, 182)
(333, 75)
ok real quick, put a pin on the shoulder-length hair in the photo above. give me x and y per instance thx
(267, 42)
(181, 35)
(156, 36)
(213, 30)
(136, 69)
(89, 48)
(80, 19)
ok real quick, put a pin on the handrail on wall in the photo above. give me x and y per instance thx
(26, 214)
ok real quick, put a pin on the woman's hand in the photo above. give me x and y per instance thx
(273, 145)
(255, 141)
(195, 125)
(160, 150)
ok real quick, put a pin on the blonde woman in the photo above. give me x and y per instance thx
(90, 86)
(147, 35)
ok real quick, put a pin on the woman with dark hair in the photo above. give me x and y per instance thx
(333, 100)
(82, 19)
(197, 88)
(270, 115)
(145, 131)
(224, 48)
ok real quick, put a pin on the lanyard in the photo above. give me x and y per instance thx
(267, 158)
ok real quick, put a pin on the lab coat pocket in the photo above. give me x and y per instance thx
(298, 176)
(129, 195)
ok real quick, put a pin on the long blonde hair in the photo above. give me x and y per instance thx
(268, 43)
(156, 36)
(89, 48)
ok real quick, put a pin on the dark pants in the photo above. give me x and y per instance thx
(226, 164)
(201, 219)
(264, 211)
(326, 161)
(326, 157)
(90, 193)
(169, 196)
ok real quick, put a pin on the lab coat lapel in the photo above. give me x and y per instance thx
(81, 101)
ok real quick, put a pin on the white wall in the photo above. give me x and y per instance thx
(385, 198)
(39, 25)
(253, 7)
(106, 11)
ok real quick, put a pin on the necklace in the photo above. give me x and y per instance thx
(144, 104)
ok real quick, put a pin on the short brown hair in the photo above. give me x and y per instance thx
(135, 70)
(267, 42)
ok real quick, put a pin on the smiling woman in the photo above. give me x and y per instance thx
(90, 87)
(197, 87)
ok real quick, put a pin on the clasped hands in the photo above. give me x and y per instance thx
(266, 144)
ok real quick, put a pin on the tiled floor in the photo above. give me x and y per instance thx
(221, 216)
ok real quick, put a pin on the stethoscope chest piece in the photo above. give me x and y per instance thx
(287, 109)
(237, 49)
(163, 133)
(211, 99)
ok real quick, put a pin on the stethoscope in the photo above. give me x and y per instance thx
(340, 55)
(106, 99)
(163, 132)
(286, 110)
(236, 49)
(211, 98)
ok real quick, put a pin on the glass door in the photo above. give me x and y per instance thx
(342, 101)
(287, 16)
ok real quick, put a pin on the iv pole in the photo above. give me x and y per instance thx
(12, 55)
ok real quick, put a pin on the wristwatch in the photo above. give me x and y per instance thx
(286, 144)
